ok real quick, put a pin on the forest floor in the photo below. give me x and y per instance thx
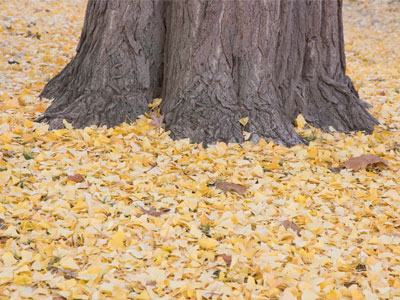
(128, 213)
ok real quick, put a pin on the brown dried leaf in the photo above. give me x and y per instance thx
(21, 102)
(67, 274)
(157, 120)
(226, 258)
(2, 224)
(4, 238)
(361, 162)
(335, 170)
(59, 298)
(76, 177)
(8, 153)
(350, 283)
(153, 212)
(231, 187)
(396, 223)
(289, 224)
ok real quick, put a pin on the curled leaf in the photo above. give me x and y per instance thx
(289, 224)
(361, 162)
(231, 187)
(157, 119)
(156, 103)
(300, 121)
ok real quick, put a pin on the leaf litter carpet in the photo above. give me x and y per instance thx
(127, 213)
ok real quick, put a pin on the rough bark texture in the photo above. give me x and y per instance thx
(118, 67)
(266, 60)
(224, 60)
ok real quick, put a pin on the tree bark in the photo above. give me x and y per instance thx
(278, 59)
(222, 60)
(118, 67)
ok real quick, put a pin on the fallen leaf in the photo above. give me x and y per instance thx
(2, 223)
(117, 241)
(23, 279)
(76, 178)
(67, 273)
(289, 224)
(207, 243)
(153, 212)
(226, 258)
(309, 295)
(144, 295)
(244, 121)
(21, 102)
(156, 102)
(231, 187)
(9, 259)
(28, 155)
(361, 162)
(335, 170)
(68, 263)
(350, 283)
(300, 121)
(157, 119)
(67, 124)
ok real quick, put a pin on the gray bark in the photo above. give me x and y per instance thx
(118, 67)
(266, 60)
(222, 60)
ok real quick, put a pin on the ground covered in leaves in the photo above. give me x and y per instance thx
(128, 213)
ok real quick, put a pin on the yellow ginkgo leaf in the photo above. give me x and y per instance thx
(2, 209)
(22, 279)
(143, 296)
(244, 121)
(300, 122)
(257, 171)
(156, 102)
(273, 165)
(67, 262)
(8, 259)
(309, 295)
(67, 125)
(207, 243)
(117, 241)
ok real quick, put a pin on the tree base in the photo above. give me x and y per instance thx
(94, 109)
(221, 61)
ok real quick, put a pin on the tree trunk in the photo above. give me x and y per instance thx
(118, 67)
(267, 60)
